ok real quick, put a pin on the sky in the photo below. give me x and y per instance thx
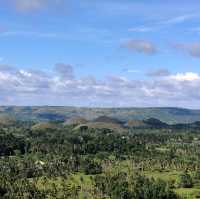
(100, 53)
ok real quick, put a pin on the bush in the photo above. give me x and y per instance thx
(91, 167)
(197, 175)
(185, 180)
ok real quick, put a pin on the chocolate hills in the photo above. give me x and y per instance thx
(45, 126)
(53, 113)
(75, 121)
(106, 119)
(6, 120)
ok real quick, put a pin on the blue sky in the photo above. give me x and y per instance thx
(100, 53)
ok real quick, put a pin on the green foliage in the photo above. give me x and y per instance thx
(197, 175)
(151, 189)
(91, 167)
(97, 163)
(185, 180)
(119, 187)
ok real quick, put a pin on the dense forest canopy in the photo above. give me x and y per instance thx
(143, 159)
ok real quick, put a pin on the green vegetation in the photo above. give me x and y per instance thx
(100, 159)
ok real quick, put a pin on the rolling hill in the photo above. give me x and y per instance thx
(53, 113)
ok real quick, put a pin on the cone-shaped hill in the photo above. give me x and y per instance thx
(99, 125)
(45, 126)
(6, 121)
(102, 122)
(105, 119)
(75, 121)
(136, 124)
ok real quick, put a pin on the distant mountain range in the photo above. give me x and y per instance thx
(53, 113)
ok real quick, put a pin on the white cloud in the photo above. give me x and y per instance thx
(189, 76)
(65, 71)
(140, 29)
(178, 19)
(25, 73)
(132, 71)
(29, 87)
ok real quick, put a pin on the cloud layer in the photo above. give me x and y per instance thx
(140, 46)
(60, 87)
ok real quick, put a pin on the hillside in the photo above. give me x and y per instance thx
(99, 125)
(106, 119)
(44, 126)
(75, 121)
(6, 120)
(45, 113)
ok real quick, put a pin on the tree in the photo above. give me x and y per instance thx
(185, 180)
(146, 188)
(91, 167)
